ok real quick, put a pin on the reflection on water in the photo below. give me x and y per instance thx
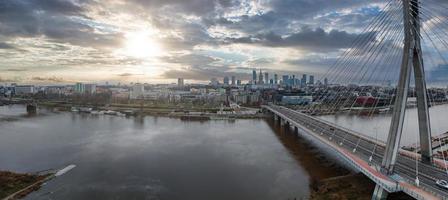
(152, 157)
(378, 125)
(312, 157)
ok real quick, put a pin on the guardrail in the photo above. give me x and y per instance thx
(397, 187)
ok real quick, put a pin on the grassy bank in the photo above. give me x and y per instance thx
(11, 183)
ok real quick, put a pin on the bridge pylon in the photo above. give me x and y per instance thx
(412, 60)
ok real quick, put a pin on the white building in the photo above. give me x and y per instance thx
(137, 91)
(24, 89)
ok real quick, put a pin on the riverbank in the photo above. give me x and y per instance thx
(16, 186)
(173, 111)
(352, 186)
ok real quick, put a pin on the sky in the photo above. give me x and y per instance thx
(158, 41)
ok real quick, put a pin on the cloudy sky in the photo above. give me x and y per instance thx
(156, 41)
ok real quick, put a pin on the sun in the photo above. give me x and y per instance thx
(142, 44)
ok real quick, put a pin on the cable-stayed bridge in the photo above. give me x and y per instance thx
(385, 65)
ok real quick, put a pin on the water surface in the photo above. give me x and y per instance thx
(150, 157)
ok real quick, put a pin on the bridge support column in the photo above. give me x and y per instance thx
(379, 193)
(287, 126)
(412, 57)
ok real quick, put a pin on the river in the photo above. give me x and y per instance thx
(155, 157)
(377, 126)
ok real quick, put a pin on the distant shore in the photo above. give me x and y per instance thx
(184, 113)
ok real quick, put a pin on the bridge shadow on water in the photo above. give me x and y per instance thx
(326, 173)
(318, 165)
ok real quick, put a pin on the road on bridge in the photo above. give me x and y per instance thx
(369, 147)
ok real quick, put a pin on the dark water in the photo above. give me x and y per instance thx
(156, 158)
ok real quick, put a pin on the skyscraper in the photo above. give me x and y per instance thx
(233, 80)
(254, 77)
(293, 80)
(275, 78)
(80, 88)
(311, 82)
(260, 78)
(226, 80)
(266, 78)
(303, 81)
(180, 82)
(90, 88)
(326, 81)
(285, 79)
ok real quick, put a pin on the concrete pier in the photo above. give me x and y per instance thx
(31, 108)
(379, 193)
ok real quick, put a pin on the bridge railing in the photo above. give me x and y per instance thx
(397, 187)
(347, 159)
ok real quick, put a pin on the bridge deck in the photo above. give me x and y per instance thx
(344, 141)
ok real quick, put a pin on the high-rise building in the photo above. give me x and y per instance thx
(326, 81)
(285, 79)
(238, 82)
(254, 77)
(80, 88)
(311, 82)
(180, 82)
(226, 80)
(303, 81)
(233, 80)
(90, 88)
(293, 80)
(266, 78)
(275, 78)
(260, 78)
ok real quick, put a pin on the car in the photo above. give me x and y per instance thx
(443, 184)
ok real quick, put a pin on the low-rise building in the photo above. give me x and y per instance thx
(24, 89)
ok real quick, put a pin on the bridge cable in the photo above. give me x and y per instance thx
(371, 47)
(371, 58)
(343, 59)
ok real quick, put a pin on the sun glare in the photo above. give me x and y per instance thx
(142, 44)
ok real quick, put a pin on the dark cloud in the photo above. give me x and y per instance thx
(16, 70)
(195, 7)
(439, 74)
(191, 60)
(52, 79)
(54, 20)
(128, 74)
(317, 61)
(6, 46)
(317, 39)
